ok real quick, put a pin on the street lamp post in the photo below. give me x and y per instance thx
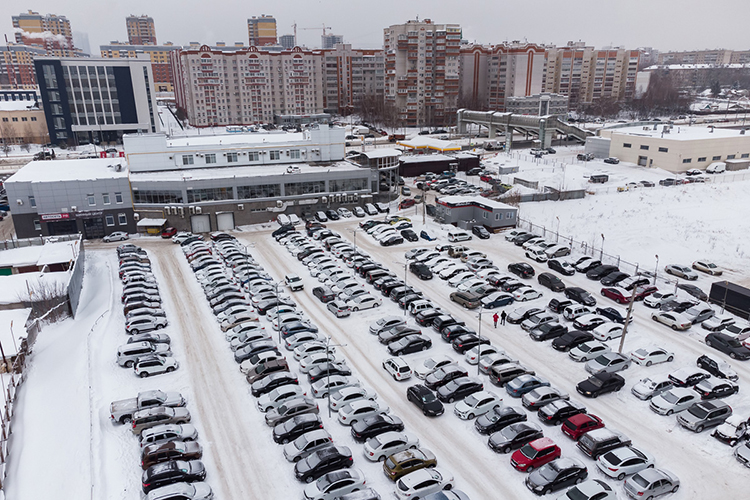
(558, 229)
(627, 320)
(276, 289)
(601, 254)
(479, 345)
(656, 269)
(328, 371)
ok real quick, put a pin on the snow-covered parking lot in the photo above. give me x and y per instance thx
(64, 404)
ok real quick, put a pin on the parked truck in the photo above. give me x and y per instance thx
(122, 411)
(732, 297)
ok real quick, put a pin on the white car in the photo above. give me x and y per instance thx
(305, 350)
(717, 323)
(451, 271)
(422, 482)
(384, 445)
(294, 341)
(472, 355)
(397, 368)
(472, 254)
(524, 294)
(537, 254)
(154, 365)
(344, 212)
(335, 484)
(656, 299)
(308, 362)
(431, 364)
(607, 331)
(674, 400)
(707, 267)
(357, 410)
(284, 319)
(675, 321)
(460, 277)
(279, 396)
(145, 323)
(556, 251)
(681, 271)
(180, 237)
(470, 283)
(477, 404)
(532, 242)
(238, 319)
(510, 236)
(624, 461)
(116, 236)
(588, 351)
(386, 323)
(651, 355)
(649, 387)
(364, 302)
(593, 489)
(575, 311)
(538, 320)
(347, 395)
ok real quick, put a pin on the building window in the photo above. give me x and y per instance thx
(745, 155)
(91, 199)
(644, 147)
(209, 194)
(702, 158)
(274, 155)
(259, 191)
(232, 158)
(730, 157)
(37, 225)
(343, 185)
(110, 219)
(687, 160)
(32, 202)
(118, 198)
(33, 118)
(294, 154)
(210, 158)
(716, 158)
(253, 156)
(187, 159)
(122, 219)
(5, 118)
(105, 198)
(14, 118)
(498, 216)
(626, 145)
(24, 119)
(664, 150)
(484, 215)
(508, 215)
(301, 188)
(156, 196)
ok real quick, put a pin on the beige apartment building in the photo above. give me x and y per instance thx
(351, 75)
(261, 31)
(157, 54)
(716, 57)
(50, 32)
(141, 30)
(422, 71)
(17, 65)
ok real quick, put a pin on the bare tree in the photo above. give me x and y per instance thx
(46, 296)
(7, 136)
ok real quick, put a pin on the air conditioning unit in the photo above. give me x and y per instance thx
(73, 208)
(182, 211)
(167, 210)
(20, 202)
(240, 207)
(279, 203)
(192, 210)
(136, 216)
(198, 210)
(324, 199)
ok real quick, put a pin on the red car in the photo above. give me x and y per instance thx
(617, 294)
(535, 454)
(410, 202)
(578, 425)
(641, 292)
(486, 178)
(168, 232)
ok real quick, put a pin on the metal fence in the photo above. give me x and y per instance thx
(37, 241)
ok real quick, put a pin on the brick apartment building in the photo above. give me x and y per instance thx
(141, 30)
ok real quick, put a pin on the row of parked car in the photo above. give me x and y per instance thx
(170, 452)
(147, 351)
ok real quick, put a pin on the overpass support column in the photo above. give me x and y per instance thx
(493, 131)
(508, 138)
(461, 123)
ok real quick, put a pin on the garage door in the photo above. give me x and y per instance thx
(225, 221)
(200, 223)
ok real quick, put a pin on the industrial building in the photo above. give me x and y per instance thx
(469, 211)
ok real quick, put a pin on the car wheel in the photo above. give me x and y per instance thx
(160, 326)
(134, 331)
(546, 491)
(677, 487)
(621, 477)
(170, 369)
(376, 305)
(284, 441)
(699, 429)
(603, 295)
(732, 355)
(669, 359)
(309, 479)
(650, 466)
(648, 363)
(128, 364)
(506, 449)
(144, 374)
(674, 327)
(450, 400)
(595, 395)
(530, 468)
(669, 412)
(471, 415)
(126, 419)
(650, 497)
(708, 343)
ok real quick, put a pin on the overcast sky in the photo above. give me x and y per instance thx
(662, 24)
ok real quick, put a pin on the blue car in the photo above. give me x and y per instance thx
(523, 384)
(497, 299)
(427, 236)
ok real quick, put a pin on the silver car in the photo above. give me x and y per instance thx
(541, 396)
(651, 386)
(289, 409)
(704, 414)
(128, 354)
(186, 491)
(320, 388)
(588, 350)
(279, 396)
(348, 395)
(674, 400)
(610, 362)
(164, 433)
(307, 443)
(651, 483)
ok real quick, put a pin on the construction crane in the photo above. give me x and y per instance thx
(324, 28)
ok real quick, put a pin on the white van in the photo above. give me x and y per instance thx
(458, 235)
(717, 167)
(283, 220)
(294, 220)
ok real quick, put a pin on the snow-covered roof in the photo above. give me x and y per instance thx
(151, 222)
(679, 133)
(70, 170)
(423, 142)
(250, 138)
(18, 106)
(473, 200)
(232, 172)
(10, 338)
(50, 253)
(425, 158)
(15, 288)
(382, 153)
(696, 66)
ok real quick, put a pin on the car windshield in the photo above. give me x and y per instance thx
(586, 347)
(428, 398)
(698, 412)
(637, 479)
(528, 451)
(471, 400)
(549, 472)
(670, 397)
(595, 381)
(710, 265)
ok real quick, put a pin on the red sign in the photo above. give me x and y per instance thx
(55, 216)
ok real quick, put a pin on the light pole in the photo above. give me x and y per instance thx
(656, 269)
(558, 229)
(627, 320)
(328, 371)
(406, 268)
(355, 237)
(479, 345)
(276, 289)
(601, 254)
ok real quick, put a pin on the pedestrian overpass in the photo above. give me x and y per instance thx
(543, 127)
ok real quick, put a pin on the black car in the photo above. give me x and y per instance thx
(677, 306)
(591, 264)
(363, 270)
(410, 235)
(474, 171)
(425, 317)
(572, 339)
(599, 384)
(409, 344)
(324, 294)
(481, 232)
(407, 299)
(332, 215)
(288, 228)
(362, 430)
(694, 291)
(390, 283)
(555, 265)
(271, 382)
(319, 462)
(498, 418)
(527, 313)
(498, 281)
(463, 343)
(458, 389)
(557, 411)
(521, 269)
(523, 238)
(551, 281)
(614, 278)
(296, 327)
(421, 270)
(425, 400)
(601, 271)
(295, 427)
(580, 295)
(558, 305)
(443, 375)
(513, 437)
(401, 291)
(392, 240)
(396, 333)
(716, 368)
(556, 475)
(512, 286)
(548, 331)
(322, 370)
(612, 314)
(728, 345)
(451, 332)
(444, 320)
(170, 472)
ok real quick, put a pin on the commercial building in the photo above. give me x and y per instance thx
(22, 122)
(17, 65)
(90, 100)
(543, 104)
(157, 54)
(218, 86)
(491, 74)
(261, 31)
(328, 41)
(676, 148)
(50, 32)
(90, 196)
(422, 72)
(141, 30)
(353, 75)
(469, 211)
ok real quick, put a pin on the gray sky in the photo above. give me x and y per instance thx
(662, 24)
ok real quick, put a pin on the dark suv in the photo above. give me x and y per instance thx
(172, 472)
(421, 270)
(551, 281)
(599, 272)
(481, 232)
(324, 294)
(580, 295)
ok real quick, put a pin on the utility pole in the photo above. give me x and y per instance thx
(627, 320)
(479, 346)
(328, 370)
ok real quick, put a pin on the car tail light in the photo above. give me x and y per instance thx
(372, 454)
(133, 424)
(612, 469)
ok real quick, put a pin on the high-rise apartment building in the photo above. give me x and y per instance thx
(50, 31)
(141, 30)
(247, 85)
(490, 74)
(287, 41)
(157, 54)
(352, 75)
(261, 30)
(17, 65)
(328, 41)
(716, 57)
(422, 77)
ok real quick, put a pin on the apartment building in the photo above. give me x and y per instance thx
(157, 54)
(141, 30)
(219, 86)
(351, 75)
(422, 71)
(490, 74)
(50, 32)
(261, 30)
(287, 41)
(17, 65)
(586, 74)
(328, 41)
